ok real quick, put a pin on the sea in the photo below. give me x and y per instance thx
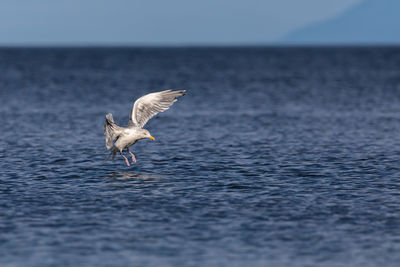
(276, 156)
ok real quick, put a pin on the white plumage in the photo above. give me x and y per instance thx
(143, 110)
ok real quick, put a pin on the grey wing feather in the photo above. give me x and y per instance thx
(111, 130)
(149, 105)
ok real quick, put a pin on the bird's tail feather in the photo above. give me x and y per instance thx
(113, 152)
(111, 130)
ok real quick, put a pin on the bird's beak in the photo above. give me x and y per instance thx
(152, 138)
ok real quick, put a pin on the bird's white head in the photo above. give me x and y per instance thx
(146, 134)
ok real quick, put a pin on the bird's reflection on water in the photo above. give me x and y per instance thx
(131, 177)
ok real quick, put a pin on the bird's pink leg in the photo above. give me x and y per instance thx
(126, 160)
(133, 156)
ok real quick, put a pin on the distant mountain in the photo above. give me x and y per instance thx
(371, 21)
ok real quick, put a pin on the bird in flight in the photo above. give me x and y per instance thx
(143, 110)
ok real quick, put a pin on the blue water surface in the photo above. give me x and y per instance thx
(275, 157)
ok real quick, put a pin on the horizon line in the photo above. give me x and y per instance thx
(198, 45)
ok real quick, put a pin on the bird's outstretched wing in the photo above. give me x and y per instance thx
(111, 130)
(149, 105)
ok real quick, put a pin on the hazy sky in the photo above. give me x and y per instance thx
(176, 22)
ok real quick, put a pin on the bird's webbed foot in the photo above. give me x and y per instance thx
(133, 156)
(126, 160)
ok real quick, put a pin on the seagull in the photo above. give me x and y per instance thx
(143, 110)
